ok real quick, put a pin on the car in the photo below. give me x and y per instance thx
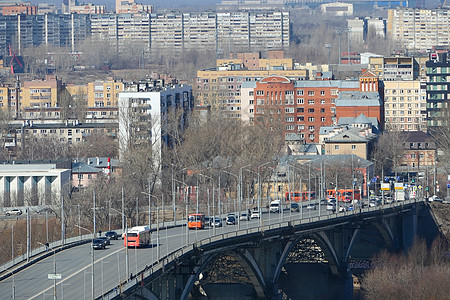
(295, 207)
(373, 204)
(231, 220)
(14, 211)
(208, 221)
(216, 222)
(311, 206)
(98, 244)
(244, 217)
(331, 206)
(323, 202)
(104, 238)
(112, 235)
(44, 210)
(342, 208)
(351, 208)
(332, 200)
(255, 215)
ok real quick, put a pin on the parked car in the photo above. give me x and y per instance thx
(255, 215)
(311, 206)
(104, 238)
(216, 222)
(98, 244)
(244, 217)
(295, 207)
(112, 235)
(14, 211)
(231, 220)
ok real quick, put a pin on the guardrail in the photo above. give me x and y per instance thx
(170, 257)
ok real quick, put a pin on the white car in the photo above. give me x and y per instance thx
(331, 206)
(244, 217)
(255, 215)
(342, 208)
(311, 206)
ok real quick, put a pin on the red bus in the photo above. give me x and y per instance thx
(297, 196)
(138, 236)
(196, 221)
(344, 195)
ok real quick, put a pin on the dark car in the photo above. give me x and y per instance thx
(104, 238)
(112, 235)
(216, 222)
(295, 207)
(98, 244)
(231, 220)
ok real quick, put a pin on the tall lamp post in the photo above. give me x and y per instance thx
(213, 194)
(157, 221)
(54, 269)
(92, 260)
(259, 193)
(237, 180)
(127, 267)
(240, 193)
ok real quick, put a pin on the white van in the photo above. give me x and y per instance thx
(275, 206)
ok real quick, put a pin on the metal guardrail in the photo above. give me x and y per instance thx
(170, 257)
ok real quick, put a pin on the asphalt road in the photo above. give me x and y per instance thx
(74, 264)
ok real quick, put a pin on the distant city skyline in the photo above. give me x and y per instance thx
(110, 4)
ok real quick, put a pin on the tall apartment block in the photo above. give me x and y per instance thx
(405, 105)
(438, 87)
(222, 32)
(419, 29)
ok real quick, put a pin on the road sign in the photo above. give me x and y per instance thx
(54, 276)
(385, 186)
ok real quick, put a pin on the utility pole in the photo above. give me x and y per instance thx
(328, 46)
(338, 30)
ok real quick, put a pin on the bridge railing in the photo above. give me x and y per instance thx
(160, 265)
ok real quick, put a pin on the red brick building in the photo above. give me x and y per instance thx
(19, 9)
(301, 107)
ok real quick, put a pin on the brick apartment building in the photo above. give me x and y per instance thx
(303, 107)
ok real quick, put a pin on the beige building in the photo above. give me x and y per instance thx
(104, 93)
(419, 29)
(405, 105)
(41, 93)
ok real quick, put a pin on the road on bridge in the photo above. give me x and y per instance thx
(74, 264)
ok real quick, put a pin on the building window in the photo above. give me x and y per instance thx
(311, 110)
(336, 147)
(311, 119)
(310, 93)
(300, 109)
(299, 92)
(353, 147)
(322, 119)
(250, 93)
(300, 100)
(322, 101)
(310, 101)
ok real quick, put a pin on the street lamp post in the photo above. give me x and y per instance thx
(92, 259)
(237, 180)
(240, 193)
(214, 215)
(127, 267)
(157, 226)
(259, 193)
(54, 269)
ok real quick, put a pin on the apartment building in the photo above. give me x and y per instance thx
(438, 87)
(19, 9)
(59, 30)
(41, 93)
(131, 7)
(301, 107)
(394, 68)
(220, 87)
(405, 105)
(419, 29)
(104, 93)
(142, 115)
(222, 32)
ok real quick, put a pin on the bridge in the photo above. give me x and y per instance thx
(313, 251)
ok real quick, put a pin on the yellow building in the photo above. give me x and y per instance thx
(405, 105)
(41, 93)
(104, 93)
